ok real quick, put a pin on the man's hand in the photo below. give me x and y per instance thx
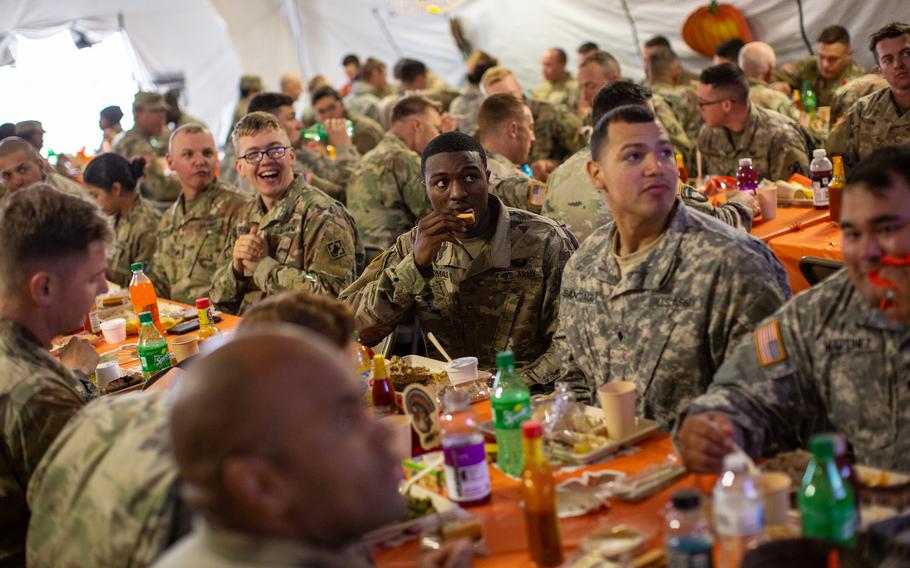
(542, 169)
(249, 249)
(337, 130)
(747, 199)
(79, 354)
(455, 554)
(449, 123)
(704, 440)
(433, 230)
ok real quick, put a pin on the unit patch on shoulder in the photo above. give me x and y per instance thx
(336, 249)
(769, 345)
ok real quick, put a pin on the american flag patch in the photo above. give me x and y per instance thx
(536, 192)
(769, 345)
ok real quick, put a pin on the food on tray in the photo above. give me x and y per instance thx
(403, 374)
(419, 507)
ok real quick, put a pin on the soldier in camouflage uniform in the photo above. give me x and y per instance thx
(572, 199)
(846, 95)
(38, 393)
(664, 312)
(21, 166)
(757, 60)
(505, 128)
(464, 108)
(148, 139)
(734, 128)
(880, 118)
(831, 67)
(828, 360)
(194, 231)
(368, 90)
(558, 87)
(292, 236)
(665, 81)
(327, 104)
(481, 290)
(760, 94)
(386, 193)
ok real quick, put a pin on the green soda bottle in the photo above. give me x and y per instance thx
(826, 501)
(317, 132)
(511, 408)
(152, 347)
(810, 102)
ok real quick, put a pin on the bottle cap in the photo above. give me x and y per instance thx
(745, 162)
(822, 446)
(819, 153)
(145, 317)
(686, 499)
(137, 266)
(202, 303)
(505, 359)
(735, 462)
(532, 429)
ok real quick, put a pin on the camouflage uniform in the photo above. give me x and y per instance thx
(192, 240)
(846, 95)
(512, 186)
(557, 129)
(155, 184)
(106, 493)
(684, 103)
(66, 185)
(367, 132)
(209, 545)
(871, 123)
(760, 94)
(826, 361)
(312, 245)
(564, 93)
(807, 69)
(669, 323)
(572, 200)
(506, 298)
(774, 142)
(465, 109)
(387, 194)
(682, 142)
(38, 396)
(135, 239)
(364, 99)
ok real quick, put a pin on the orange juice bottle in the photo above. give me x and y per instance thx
(142, 295)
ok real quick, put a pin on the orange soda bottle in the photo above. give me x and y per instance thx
(142, 295)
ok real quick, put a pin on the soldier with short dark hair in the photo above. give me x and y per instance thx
(148, 139)
(830, 67)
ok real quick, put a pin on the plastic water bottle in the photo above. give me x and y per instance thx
(820, 170)
(511, 403)
(739, 515)
(826, 501)
(152, 347)
(746, 176)
(688, 533)
(466, 470)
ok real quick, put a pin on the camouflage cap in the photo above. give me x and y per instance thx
(29, 126)
(251, 83)
(149, 101)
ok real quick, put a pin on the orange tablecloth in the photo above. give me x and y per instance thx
(822, 239)
(788, 220)
(503, 519)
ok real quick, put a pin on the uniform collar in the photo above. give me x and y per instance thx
(13, 329)
(396, 140)
(500, 158)
(282, 210)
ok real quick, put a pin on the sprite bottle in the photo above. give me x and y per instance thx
(152, 347)
(826, 501)
(511, 408)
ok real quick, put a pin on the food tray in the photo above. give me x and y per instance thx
(446, 512)
(477, 390)
(883, 487)
(644, 428)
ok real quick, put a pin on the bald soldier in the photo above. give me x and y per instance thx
(830, 359)
(386, 192)
(558, 86)
(194, 231)
(505, 129)
(880, 118)
(481, 276)
(21, 166)
(52, 263)
(757, 60)
(572, 199)
(831, 67)
(734, 128)
(148, 139)
(659, 296)
(292, 236)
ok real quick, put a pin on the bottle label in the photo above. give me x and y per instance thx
(154, 358)
(820, 190)
(511, 417)
(466, 471)
(682, 558)
(734, 516)
(205, 316)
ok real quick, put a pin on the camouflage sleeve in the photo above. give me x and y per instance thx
(331, 188)
(788, 151)
(842, 140)
(143, 247)
(366, 139)
(795, 77)
(570, 136)
(413, 190)
(157, 273)
(731, 213)
(336, 171)
(329, 263)
(385, 292)
(514, 191)
(228, 287)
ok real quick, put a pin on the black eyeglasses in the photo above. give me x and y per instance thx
(275, 153)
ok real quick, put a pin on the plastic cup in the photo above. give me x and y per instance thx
(775, 488)
(462, 370)
(617, 400)
(767, 202)
(114, 331)
(400, 425)
(185, 347)
(107, 371)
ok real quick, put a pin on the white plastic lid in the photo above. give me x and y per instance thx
(735, 462)
(819, 153)
(745, 162)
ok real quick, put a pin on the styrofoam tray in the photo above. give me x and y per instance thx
(643, 429)
(395, 534)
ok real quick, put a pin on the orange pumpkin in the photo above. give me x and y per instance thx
(711, 25)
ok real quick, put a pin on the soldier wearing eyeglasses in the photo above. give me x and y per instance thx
(293, 236)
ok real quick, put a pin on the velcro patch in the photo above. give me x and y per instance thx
(536, 190)
(336, 249)
(769, 345)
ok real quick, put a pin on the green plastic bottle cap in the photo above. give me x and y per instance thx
(145, 317)
(822, 446)
(505, 359)
(137, 266)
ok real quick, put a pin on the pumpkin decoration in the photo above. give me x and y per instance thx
(711, 25)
